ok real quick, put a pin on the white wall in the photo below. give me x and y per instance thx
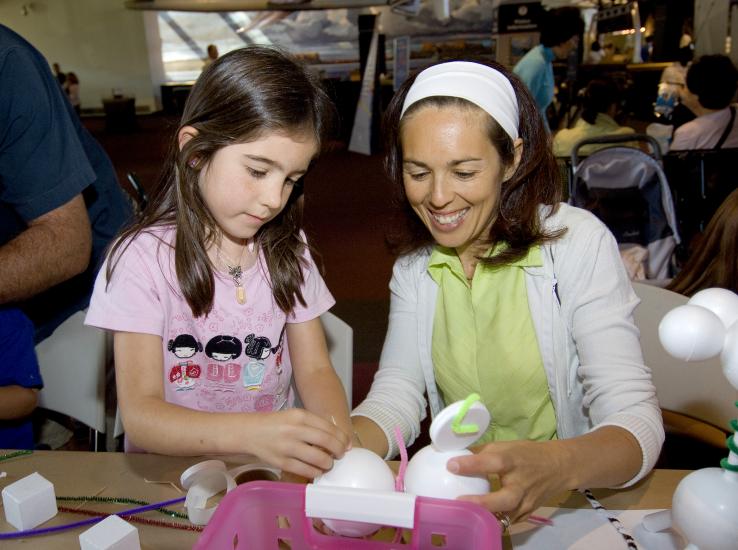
(99, 40)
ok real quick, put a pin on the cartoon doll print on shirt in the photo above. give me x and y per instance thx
(258, 348)
(224, 373)
(184, 374)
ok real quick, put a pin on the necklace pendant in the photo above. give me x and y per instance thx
(240, 295)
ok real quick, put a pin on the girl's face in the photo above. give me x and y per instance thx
(453, 174)
(245, 185)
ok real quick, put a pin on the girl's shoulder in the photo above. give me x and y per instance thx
(149, 242)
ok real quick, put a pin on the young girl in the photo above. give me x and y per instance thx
(212, 294)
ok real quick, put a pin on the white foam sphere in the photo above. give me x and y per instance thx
(427, 476)
(720, 301)
(729, 355)
(691, 333)
(705, 509)
(359, 469)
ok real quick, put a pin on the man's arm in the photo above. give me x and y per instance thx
(55, 247)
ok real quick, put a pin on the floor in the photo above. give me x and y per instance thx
(346, 205)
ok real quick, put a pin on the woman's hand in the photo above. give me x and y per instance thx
(530, 473)
(533, 472)
(296, 441)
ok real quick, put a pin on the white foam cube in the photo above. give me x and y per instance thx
(29, 502)
(112, 533)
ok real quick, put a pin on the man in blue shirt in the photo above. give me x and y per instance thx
(60, 201)
(560, 30)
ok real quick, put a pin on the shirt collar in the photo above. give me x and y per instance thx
(442, 256)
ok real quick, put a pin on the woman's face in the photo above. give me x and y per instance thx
(452, 174)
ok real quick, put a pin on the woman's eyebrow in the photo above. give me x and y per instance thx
(450, 163)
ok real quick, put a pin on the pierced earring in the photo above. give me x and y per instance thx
(192, 163)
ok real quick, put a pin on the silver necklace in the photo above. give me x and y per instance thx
(235, 271)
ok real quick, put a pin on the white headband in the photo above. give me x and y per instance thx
(485, 87)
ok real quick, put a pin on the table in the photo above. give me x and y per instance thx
(126, 475)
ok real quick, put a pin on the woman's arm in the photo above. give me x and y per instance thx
(295, 440)
(318, 384)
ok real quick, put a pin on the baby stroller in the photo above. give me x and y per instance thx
(627, 189)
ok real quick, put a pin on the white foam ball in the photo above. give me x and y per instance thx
(729, 356)
(359, 469)
(691, 333)
(720, 301)
(428, 476)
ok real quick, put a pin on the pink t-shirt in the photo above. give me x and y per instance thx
(236, 358)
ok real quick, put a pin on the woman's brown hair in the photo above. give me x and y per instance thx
(240, 97)
(535, 182)
(714, 263)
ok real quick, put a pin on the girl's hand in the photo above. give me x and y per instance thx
(297, 441)
(530, 473)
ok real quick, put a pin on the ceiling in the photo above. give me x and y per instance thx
(249, 5)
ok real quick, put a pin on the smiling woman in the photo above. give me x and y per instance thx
(501, 290)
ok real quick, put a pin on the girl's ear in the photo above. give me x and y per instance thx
(517, 155)
(185, 134)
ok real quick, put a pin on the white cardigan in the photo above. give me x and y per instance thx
(581, 303)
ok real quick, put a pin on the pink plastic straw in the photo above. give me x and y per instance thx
(400, 479)
(540, 520)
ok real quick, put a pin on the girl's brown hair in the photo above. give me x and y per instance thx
(714, 263)
(240, 97)
(535, 181)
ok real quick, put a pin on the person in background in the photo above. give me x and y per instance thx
(595, 53)
(71, 87)
(212, 55)
(502, 290)
(213, 295)
(60, 76)
(673, 80)
(600, 104)
(710, 89)
(647, 49)
(20, 379)
(714, 259)
(560, 30)
(60, 201)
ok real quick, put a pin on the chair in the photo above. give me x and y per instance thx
(340, 339)
(696, 399)
(72, 362)
(700, 180)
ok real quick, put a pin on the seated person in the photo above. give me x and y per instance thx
(502, 290)
(60, 201)
(711, 85)
(20, 380)
(714, 261)
(600, 104)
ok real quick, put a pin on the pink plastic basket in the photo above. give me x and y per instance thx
(266, 515)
